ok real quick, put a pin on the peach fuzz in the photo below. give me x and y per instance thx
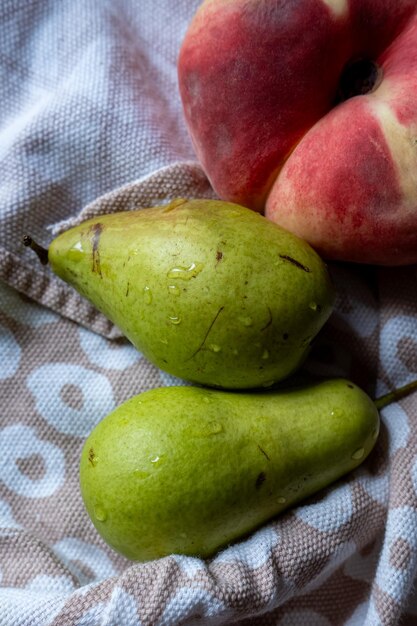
(307, 110)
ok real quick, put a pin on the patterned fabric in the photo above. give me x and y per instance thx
(89, 104)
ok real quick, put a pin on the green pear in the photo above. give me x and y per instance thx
(189, 470)
(208, 291)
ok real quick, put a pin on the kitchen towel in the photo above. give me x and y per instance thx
(91, 123)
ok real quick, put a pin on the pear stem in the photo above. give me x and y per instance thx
(40, 251)
(395, 395)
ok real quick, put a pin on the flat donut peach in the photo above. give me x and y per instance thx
(306, 110)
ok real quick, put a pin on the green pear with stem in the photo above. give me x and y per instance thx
(208, 291)
(189, 470)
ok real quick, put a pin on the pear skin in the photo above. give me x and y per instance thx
(208, 291)
(189, 470)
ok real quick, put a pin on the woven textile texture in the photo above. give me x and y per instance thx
(91, 123)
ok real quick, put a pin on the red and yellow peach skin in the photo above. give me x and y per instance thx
(276, 129)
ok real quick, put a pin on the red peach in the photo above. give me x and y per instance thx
(307, 110)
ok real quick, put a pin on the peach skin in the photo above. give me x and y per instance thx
(307, 111)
